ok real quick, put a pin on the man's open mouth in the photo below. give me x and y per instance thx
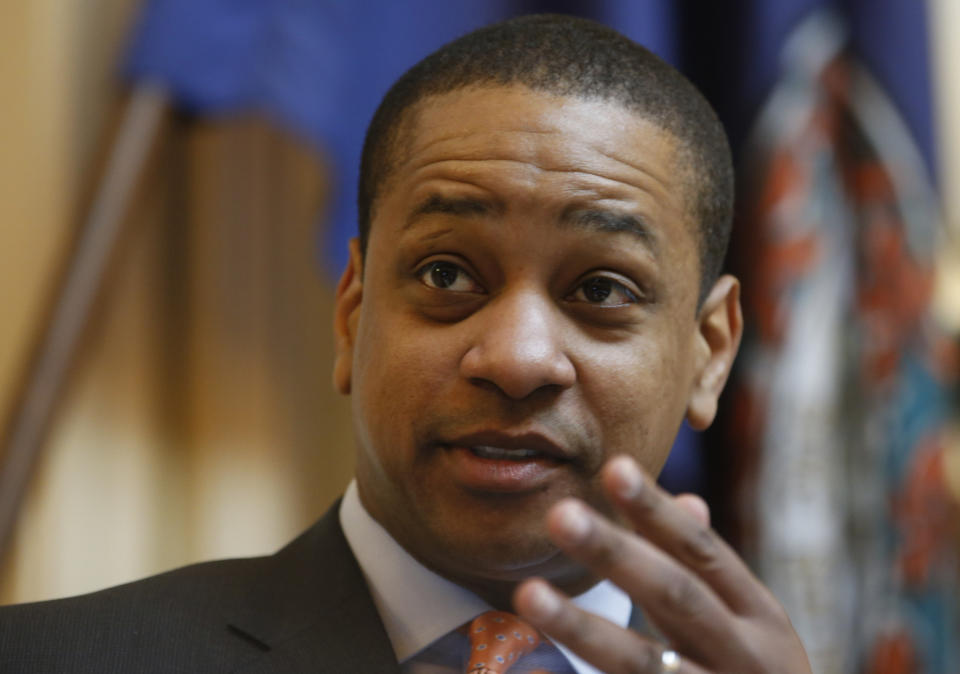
(497, 445)
(500, 453)
(505, 461)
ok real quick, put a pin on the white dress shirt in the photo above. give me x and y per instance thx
(397, 582)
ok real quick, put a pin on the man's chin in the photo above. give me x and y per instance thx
(487, 560)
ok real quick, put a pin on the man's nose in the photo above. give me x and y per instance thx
(519, 346)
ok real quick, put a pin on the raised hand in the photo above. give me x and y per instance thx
(714, 614)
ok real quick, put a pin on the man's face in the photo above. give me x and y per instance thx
(526, 310)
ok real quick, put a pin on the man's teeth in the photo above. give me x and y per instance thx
(500, 453)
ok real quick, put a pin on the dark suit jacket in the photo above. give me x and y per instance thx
(305, 609)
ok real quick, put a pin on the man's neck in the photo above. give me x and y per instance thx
(496, 586)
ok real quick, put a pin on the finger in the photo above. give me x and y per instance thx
(657, 516)
(695, 506)
(608, 647)
(680, 603)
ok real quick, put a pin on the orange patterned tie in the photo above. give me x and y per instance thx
(497, 641)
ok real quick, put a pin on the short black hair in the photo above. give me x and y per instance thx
(569, 56)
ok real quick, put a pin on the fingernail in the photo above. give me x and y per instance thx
(574, 522)
(544, 603)
(627, 480)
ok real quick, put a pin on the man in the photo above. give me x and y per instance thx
(533, 306)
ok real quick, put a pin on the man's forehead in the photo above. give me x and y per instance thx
(593, 220)
(629, 137)
(481, 121)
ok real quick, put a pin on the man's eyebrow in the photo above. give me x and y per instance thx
(460, 206)
(603, 220)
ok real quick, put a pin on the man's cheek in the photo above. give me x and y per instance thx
(407, 377)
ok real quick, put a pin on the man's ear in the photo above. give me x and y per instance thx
(346, 315)
(720, 327)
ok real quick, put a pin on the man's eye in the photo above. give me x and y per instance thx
(604, 291)
(447, 276)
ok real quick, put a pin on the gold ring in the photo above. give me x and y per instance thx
(669, 662)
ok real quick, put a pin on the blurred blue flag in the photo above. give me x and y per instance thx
(317, 67)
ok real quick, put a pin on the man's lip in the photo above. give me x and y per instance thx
(504, 440)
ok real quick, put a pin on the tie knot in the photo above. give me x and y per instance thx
(497, 640)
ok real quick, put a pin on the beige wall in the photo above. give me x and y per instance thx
(56, 65)
(54, 83)
(199, 421)
(944, 24)
(944, 27)
(36, 176)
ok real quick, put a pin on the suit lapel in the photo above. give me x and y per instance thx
(310, 610)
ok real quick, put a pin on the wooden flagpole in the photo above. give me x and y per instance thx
(139, 127)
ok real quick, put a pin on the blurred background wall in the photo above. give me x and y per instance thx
(197, 419)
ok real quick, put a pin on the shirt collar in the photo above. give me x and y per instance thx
(397, 581)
